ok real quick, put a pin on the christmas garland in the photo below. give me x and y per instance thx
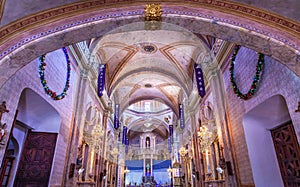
(48, 91)
(256, 78)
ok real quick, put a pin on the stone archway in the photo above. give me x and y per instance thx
(28, 38)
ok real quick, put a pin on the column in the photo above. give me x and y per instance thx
(215, 78)
(141, 142)
(76, 125)
(154, 144)
(144, 166)
(103, 148)
(151, 166)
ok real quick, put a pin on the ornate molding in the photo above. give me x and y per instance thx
(27, 30)
(242, 9)
(71, 9)
(52, 15)
(153, 12)
(3, 130)
(2, 3)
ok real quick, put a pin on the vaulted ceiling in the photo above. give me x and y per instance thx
(145, 63)
(150, 64)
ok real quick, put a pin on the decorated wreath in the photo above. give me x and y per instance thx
(256, 78)
(48, 91)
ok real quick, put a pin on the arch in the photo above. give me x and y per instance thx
(147, 142)
(257, 124)
(37, 113)
(13, 145)
(153, 120)
(32, 36)
(135, 72)
(128, 102)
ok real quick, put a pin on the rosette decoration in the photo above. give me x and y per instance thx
(48, 91)
(256, 78)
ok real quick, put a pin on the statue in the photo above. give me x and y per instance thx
(3, 130)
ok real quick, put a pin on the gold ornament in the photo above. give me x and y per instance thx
(153, 12)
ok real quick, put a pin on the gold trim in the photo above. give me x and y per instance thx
(48, 16)
(2, 3)
(232, 8)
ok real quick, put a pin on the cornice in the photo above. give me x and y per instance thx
(233, 8)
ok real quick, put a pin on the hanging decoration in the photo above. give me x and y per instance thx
(181, 116)
(169, 145)
(124, 135)
(199, 79)
(126, 145)
(101, 79)
(48, 91)
(256, 78)
(116, 116)
(171, 133)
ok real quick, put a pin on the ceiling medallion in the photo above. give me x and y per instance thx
(148, 48)
(153, 12)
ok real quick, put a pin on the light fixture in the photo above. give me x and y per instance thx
(126, 170)
(183, 151)
(206, 136)
(115, 151)
(219, 170)
(148, 85)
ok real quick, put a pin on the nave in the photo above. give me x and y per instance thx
(145, 94)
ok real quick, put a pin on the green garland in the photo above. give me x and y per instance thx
(256, 78)
(48, 91)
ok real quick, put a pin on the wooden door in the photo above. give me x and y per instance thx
(288, 154)
(36, 160)
(5, 172)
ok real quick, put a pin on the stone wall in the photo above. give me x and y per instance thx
(55, 74)
(276, 79)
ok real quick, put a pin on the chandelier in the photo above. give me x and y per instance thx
(183, 151)
(96, 136)
(115, 151)
(208, 130)
(126, 170)
(206, 136)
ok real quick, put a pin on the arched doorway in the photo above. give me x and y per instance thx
(36, 130)
(264, 125)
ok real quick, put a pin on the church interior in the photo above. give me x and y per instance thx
(175, 93)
